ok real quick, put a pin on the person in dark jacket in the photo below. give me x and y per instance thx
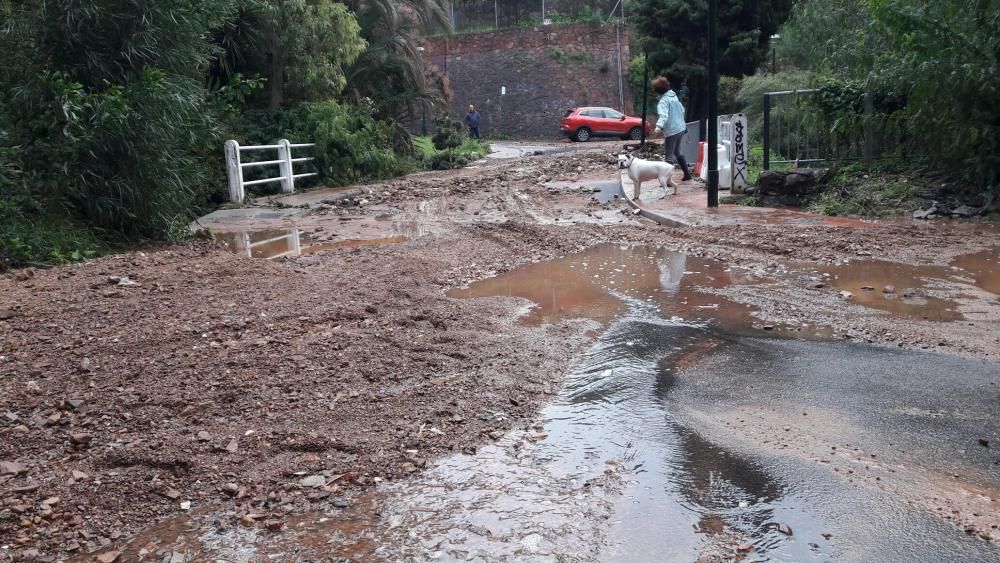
(472, 122)
(671, 124)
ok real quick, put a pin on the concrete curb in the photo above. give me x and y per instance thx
(270, 201)
(626, 185)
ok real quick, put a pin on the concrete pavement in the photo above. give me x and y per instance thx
(688, 208)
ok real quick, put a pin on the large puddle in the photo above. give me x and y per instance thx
(921, 292)
(600, 283)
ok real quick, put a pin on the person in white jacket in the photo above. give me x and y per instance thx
(671, 124)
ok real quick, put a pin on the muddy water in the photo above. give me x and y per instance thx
(277, 243)
(600, 283)
(613, 470)
(921, 292)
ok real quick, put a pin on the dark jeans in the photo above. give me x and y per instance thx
(672, 152)
(474, 132)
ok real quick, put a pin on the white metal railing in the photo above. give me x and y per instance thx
(285, 163)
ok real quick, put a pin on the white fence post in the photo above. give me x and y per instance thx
(234, 171)
(285, 156)
(285, 162)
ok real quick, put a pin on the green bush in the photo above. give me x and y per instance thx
(447, 160)
(351, 145)
(449, 133)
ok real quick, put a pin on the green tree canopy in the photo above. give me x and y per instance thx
(674, 36)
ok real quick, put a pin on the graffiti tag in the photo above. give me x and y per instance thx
(739, 153)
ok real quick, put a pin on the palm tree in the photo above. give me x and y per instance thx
(390, 74)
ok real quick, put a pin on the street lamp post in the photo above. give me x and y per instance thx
(713, 105)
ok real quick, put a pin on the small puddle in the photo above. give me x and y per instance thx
(277, 243)
(909, 291)
(983, 268)
(601, 190)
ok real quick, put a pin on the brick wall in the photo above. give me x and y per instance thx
(546, 70)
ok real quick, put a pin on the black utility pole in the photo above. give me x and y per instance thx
(645, 93)
(713, 105)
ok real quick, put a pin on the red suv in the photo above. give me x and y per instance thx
(580, 124)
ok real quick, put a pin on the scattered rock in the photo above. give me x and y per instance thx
(204, 436)
(340, 502)
(124, 281)
(80, 438)
(785, 529)
(12, 468)
(186, 505)
(745, 548)
(889, 289)
(846, 295)
(108, 557)
(275, 525)
(867, 288)
(232, 446)
(76, 404)
(6, 314)
(172, 494)
(408, 467)
(964, 211)
(24, 275)
(313, 481)
(86, 365)
(80, 475)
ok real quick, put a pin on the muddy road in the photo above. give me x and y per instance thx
(502, 363)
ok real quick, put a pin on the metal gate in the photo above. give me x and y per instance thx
(797, 131)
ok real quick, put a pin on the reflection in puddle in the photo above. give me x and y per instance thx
(293, 242)
(906, 290)
(595, 284)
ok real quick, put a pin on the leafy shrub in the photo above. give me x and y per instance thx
(750, 96)
(729, 89)
(447, 160)
(449, 133)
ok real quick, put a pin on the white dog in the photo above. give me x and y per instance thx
(640, 170)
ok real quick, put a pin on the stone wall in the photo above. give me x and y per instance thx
(546, 70)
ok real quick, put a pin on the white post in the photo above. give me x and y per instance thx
(294, 244)
(234, 171)
(285, 156)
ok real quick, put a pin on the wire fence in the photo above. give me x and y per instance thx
(796, 130)
(483, 15)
